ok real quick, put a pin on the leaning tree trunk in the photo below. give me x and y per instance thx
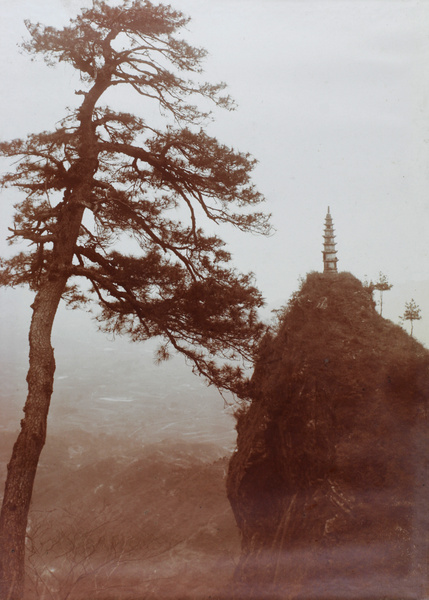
(25, 456)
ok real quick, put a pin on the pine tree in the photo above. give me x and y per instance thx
(412, 313)
(382, 285)
(103, 176)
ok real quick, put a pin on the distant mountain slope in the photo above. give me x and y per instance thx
(113, 521)
(105, 385)
(330, 483)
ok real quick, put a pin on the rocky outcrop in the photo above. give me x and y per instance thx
(329, 482)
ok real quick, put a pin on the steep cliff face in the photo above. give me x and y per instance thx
(329, 483)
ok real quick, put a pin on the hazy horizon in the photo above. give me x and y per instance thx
(332, 102)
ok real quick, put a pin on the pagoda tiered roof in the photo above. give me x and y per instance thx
(329, 253)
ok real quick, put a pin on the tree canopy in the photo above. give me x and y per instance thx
(104, 179)
(412, 313)
(382, 285)
(129, 179)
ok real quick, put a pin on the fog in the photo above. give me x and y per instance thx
(332, 101)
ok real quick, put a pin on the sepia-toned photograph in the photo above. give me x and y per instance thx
(214, 300)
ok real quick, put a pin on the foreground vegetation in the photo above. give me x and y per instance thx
(112, 521)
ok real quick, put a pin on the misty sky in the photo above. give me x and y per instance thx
(333, 101)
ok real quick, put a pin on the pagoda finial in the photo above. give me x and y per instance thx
(329, 253)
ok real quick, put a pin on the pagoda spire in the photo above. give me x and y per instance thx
(329, 253)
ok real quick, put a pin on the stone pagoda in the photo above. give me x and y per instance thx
(329, 253)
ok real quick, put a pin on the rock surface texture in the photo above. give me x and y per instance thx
(329, 483)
